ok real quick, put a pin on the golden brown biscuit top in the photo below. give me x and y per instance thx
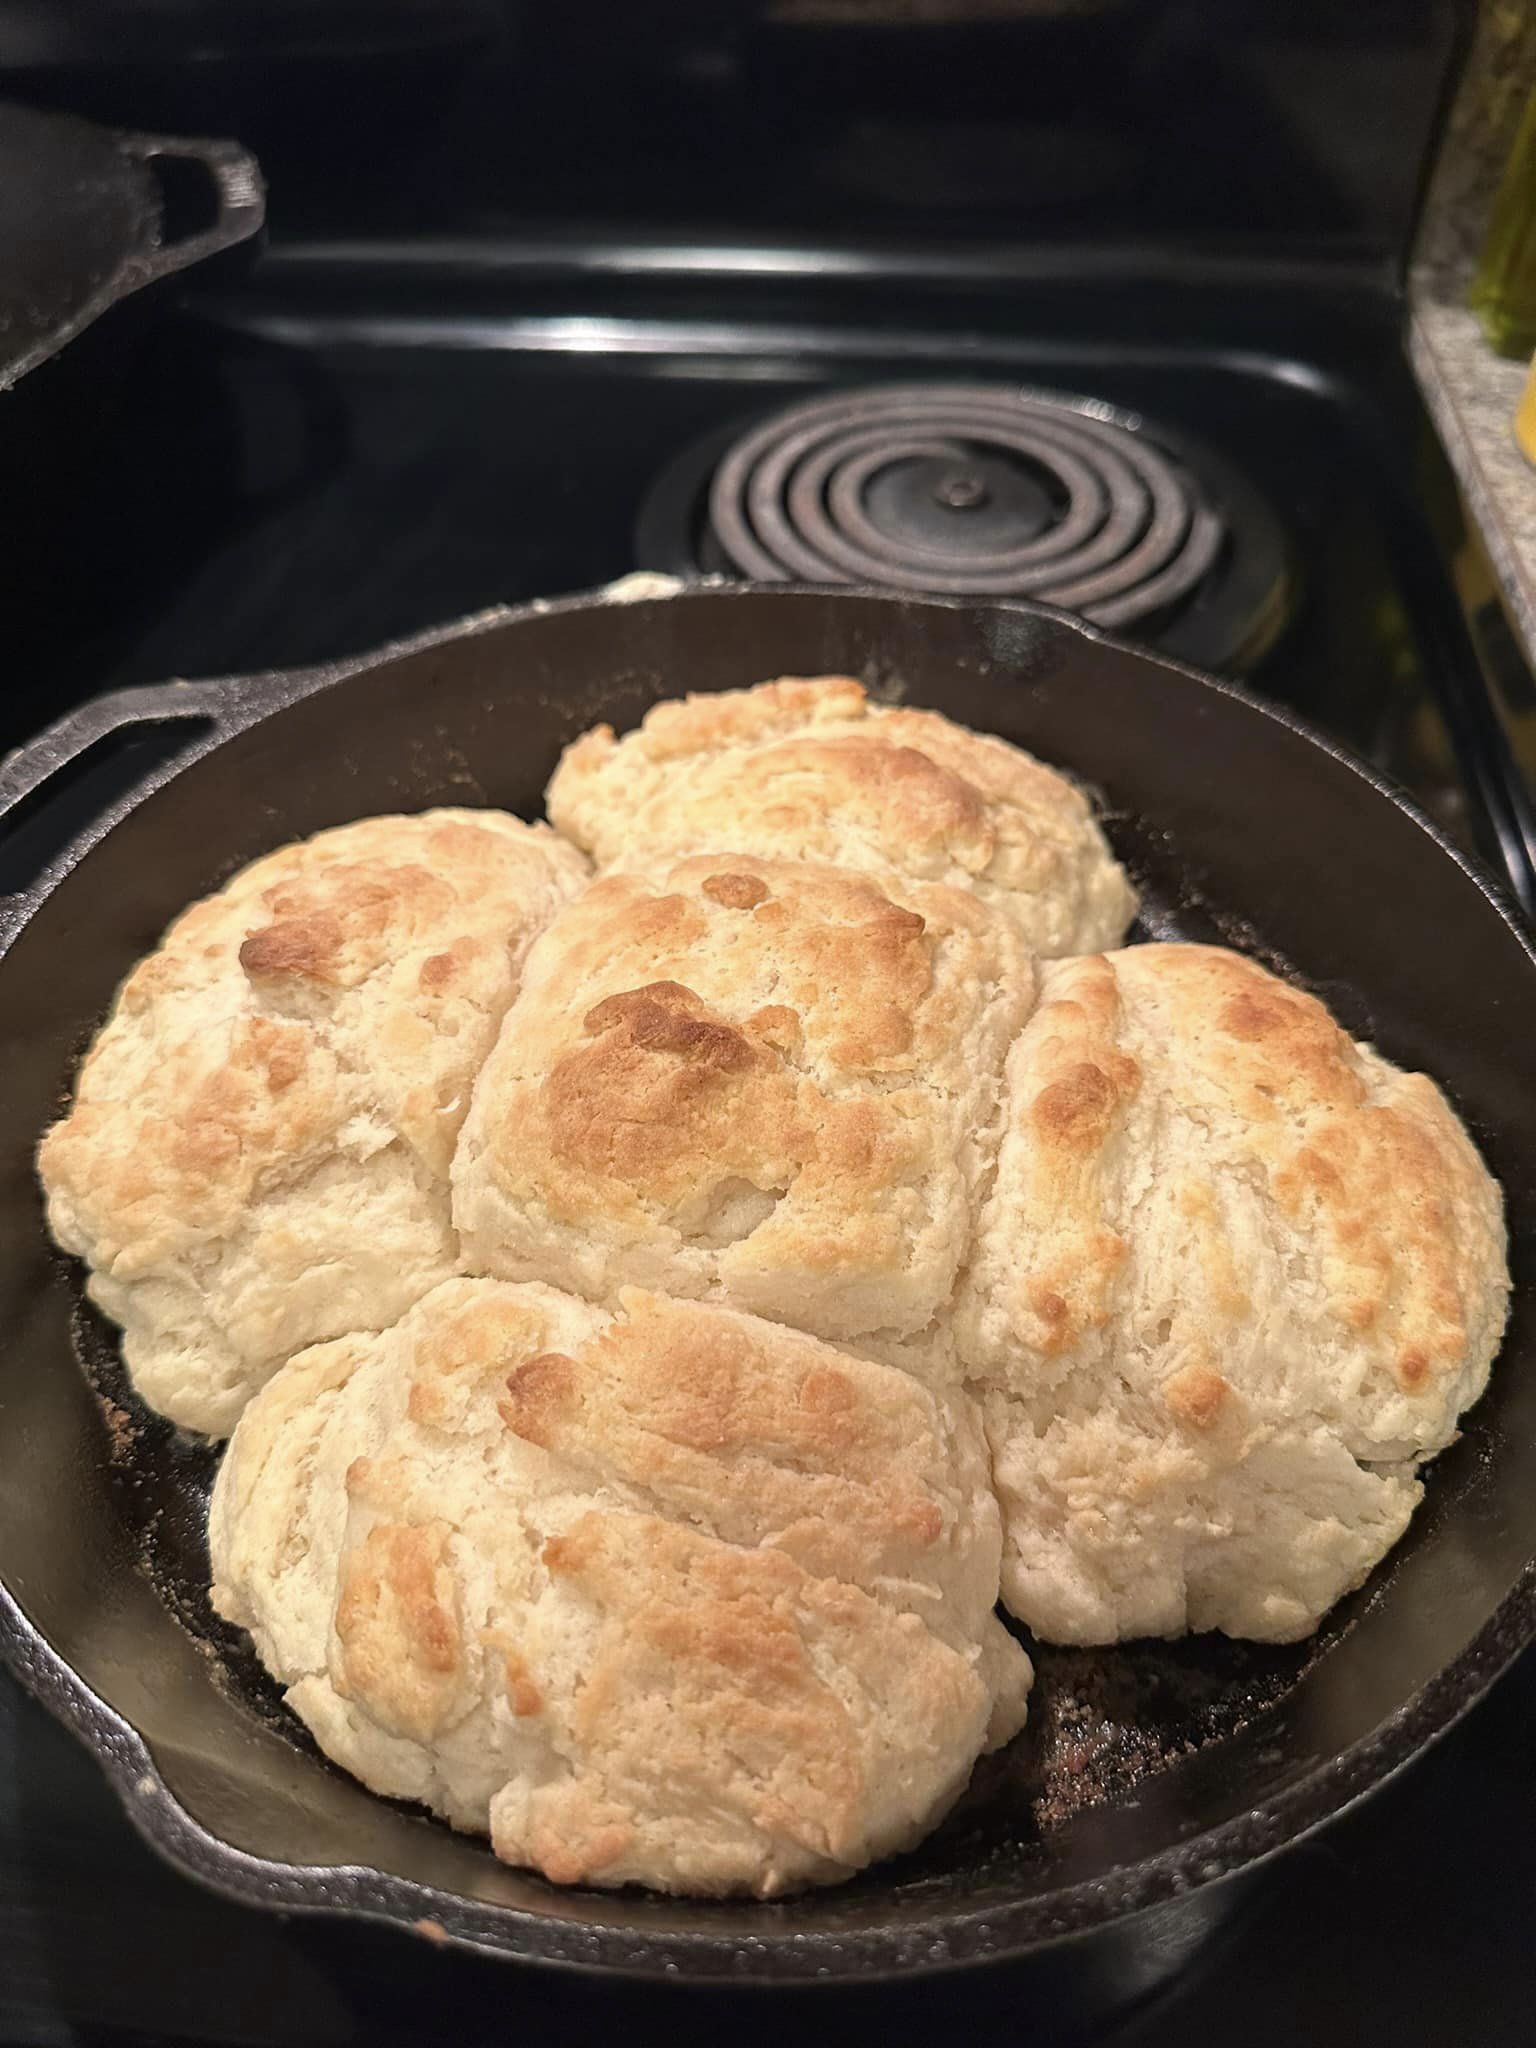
(677, 1594)
(709, 1678)
(810, 769)
(699, 724)
(1367, 1174)
(758, 1433)
(947, 772)
(754, 1054)
(397, 1625)
(333, 996)
(755, 1433)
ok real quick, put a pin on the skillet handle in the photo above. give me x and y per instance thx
(222, 706)
(209, 712)
(226, 704)
(29, 768)
(238, 190)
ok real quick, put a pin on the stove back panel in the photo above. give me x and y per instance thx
(1265, 126)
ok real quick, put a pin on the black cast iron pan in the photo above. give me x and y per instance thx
(85, 222)
(1147, 1772)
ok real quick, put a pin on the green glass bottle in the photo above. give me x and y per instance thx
(1503, 288)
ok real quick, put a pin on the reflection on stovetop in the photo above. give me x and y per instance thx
(1407, 1921)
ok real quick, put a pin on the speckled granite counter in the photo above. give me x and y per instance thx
(1471, 391)
(1472, 394)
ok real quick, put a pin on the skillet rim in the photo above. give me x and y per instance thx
(943, 1941)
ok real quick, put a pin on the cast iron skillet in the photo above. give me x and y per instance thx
(1146, 1772)
(83, 224)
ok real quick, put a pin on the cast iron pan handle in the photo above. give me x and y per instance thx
(225, 704)
(221, 707)
(238, 190)
(211, 712)
(29, 767)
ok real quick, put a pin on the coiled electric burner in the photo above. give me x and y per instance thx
(989, 491)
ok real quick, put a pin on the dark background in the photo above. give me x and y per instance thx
(1075, 129)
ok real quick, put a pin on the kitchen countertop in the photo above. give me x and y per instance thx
(1472, 394)
(1471, 391)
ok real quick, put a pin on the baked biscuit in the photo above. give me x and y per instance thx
(672, 1596)
(1236, 1278)
(763, 1082)
(257, 1154)
(812, 770)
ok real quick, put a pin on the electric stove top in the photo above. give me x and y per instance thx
(359, 438)
(356, 442)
